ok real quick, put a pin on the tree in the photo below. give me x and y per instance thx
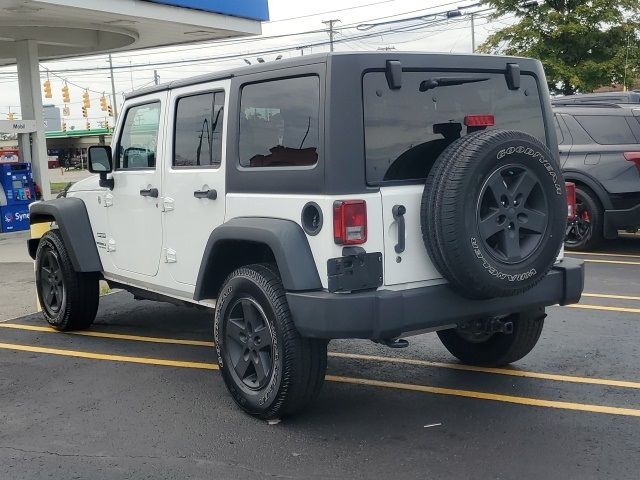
(582, 44)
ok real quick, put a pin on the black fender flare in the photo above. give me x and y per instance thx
(71, 217)
(592, 183)
(610, 231)
(285, 238)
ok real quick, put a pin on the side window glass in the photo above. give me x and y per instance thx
(279, 123)
(138, 143)
(607, 129)
(198, 130)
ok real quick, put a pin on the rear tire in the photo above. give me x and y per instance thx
(500, 348)
(69, 299)
(269, 369)
(586, 232)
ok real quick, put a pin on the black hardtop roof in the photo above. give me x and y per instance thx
(324, 57)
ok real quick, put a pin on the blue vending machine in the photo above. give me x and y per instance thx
(16, 193)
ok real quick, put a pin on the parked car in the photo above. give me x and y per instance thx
(369, 196)
(599, 146)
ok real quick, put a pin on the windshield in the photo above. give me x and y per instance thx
(408, 128)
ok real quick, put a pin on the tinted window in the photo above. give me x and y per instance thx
(198, 130)
(407, 129)
(607, 129)
(279, 123)
(138, 142)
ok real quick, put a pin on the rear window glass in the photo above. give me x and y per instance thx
(607, 129)
(407, 129)
(279, 123)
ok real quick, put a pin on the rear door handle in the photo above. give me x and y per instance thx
(149, 192)
(210, 194)
(398, 212)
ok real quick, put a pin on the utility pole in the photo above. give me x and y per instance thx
(156, 77)
(473, 33)
(113, 91)
(331, 23)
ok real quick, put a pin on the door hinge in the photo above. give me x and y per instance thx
(111, 245)
(170, 255)
(168, 204)
(108, 199)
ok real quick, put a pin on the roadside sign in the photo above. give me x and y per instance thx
(17, 126)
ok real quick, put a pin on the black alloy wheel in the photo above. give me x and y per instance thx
(511, 213)
(51, 286)
(69, 299)
(270, 370)
(585, 231)
(249, 343)
(579, 229)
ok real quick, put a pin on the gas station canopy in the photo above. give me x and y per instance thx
(31, 31)
(67, 28)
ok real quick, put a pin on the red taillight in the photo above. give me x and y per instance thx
(350, 222)
(479, 120)
(633, 157)
(571, 200)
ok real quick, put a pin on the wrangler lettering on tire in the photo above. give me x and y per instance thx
(493, 213)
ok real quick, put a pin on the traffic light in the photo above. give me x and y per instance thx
(110, 110)
(64, 127)
(88, 126)
(65, 93)
(103, 103)
(47, 89)
(10, 116)
(84, 112)
(85, 99)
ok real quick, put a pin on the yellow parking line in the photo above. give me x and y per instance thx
(604, 308)
(613, 262)
(608, 295)
(603, 254)
(357, 356)
(109, 357)
(496, 371)
(536, 402)
(118, 336)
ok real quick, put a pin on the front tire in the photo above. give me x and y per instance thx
(269, 369)
(69, 299)
(497, 349)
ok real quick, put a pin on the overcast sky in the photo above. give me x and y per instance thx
(443, 36)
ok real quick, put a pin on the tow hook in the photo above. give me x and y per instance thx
(393, 342)
(488, 326)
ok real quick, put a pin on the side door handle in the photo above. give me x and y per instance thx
(210, 194)
(398, 212)
(149, 192)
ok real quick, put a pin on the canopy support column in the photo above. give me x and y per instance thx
(31, 106)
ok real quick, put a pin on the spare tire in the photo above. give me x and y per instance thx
(493, 213)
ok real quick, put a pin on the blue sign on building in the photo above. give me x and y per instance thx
(253, 9)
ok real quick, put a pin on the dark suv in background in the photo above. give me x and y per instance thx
(599, 142)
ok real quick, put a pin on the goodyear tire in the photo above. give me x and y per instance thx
(69, 299)
(269, 369)
(493, 213)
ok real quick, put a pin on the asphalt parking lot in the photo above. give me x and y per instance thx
(138, 396)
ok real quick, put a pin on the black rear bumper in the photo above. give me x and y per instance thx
(384, 314)
(621, 219)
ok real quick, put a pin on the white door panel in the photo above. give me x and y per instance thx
(414, 264)
(194, 182)
(134, 237)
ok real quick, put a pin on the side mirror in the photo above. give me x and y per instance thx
(101, 161)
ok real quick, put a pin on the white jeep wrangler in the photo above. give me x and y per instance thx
(374, 196)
